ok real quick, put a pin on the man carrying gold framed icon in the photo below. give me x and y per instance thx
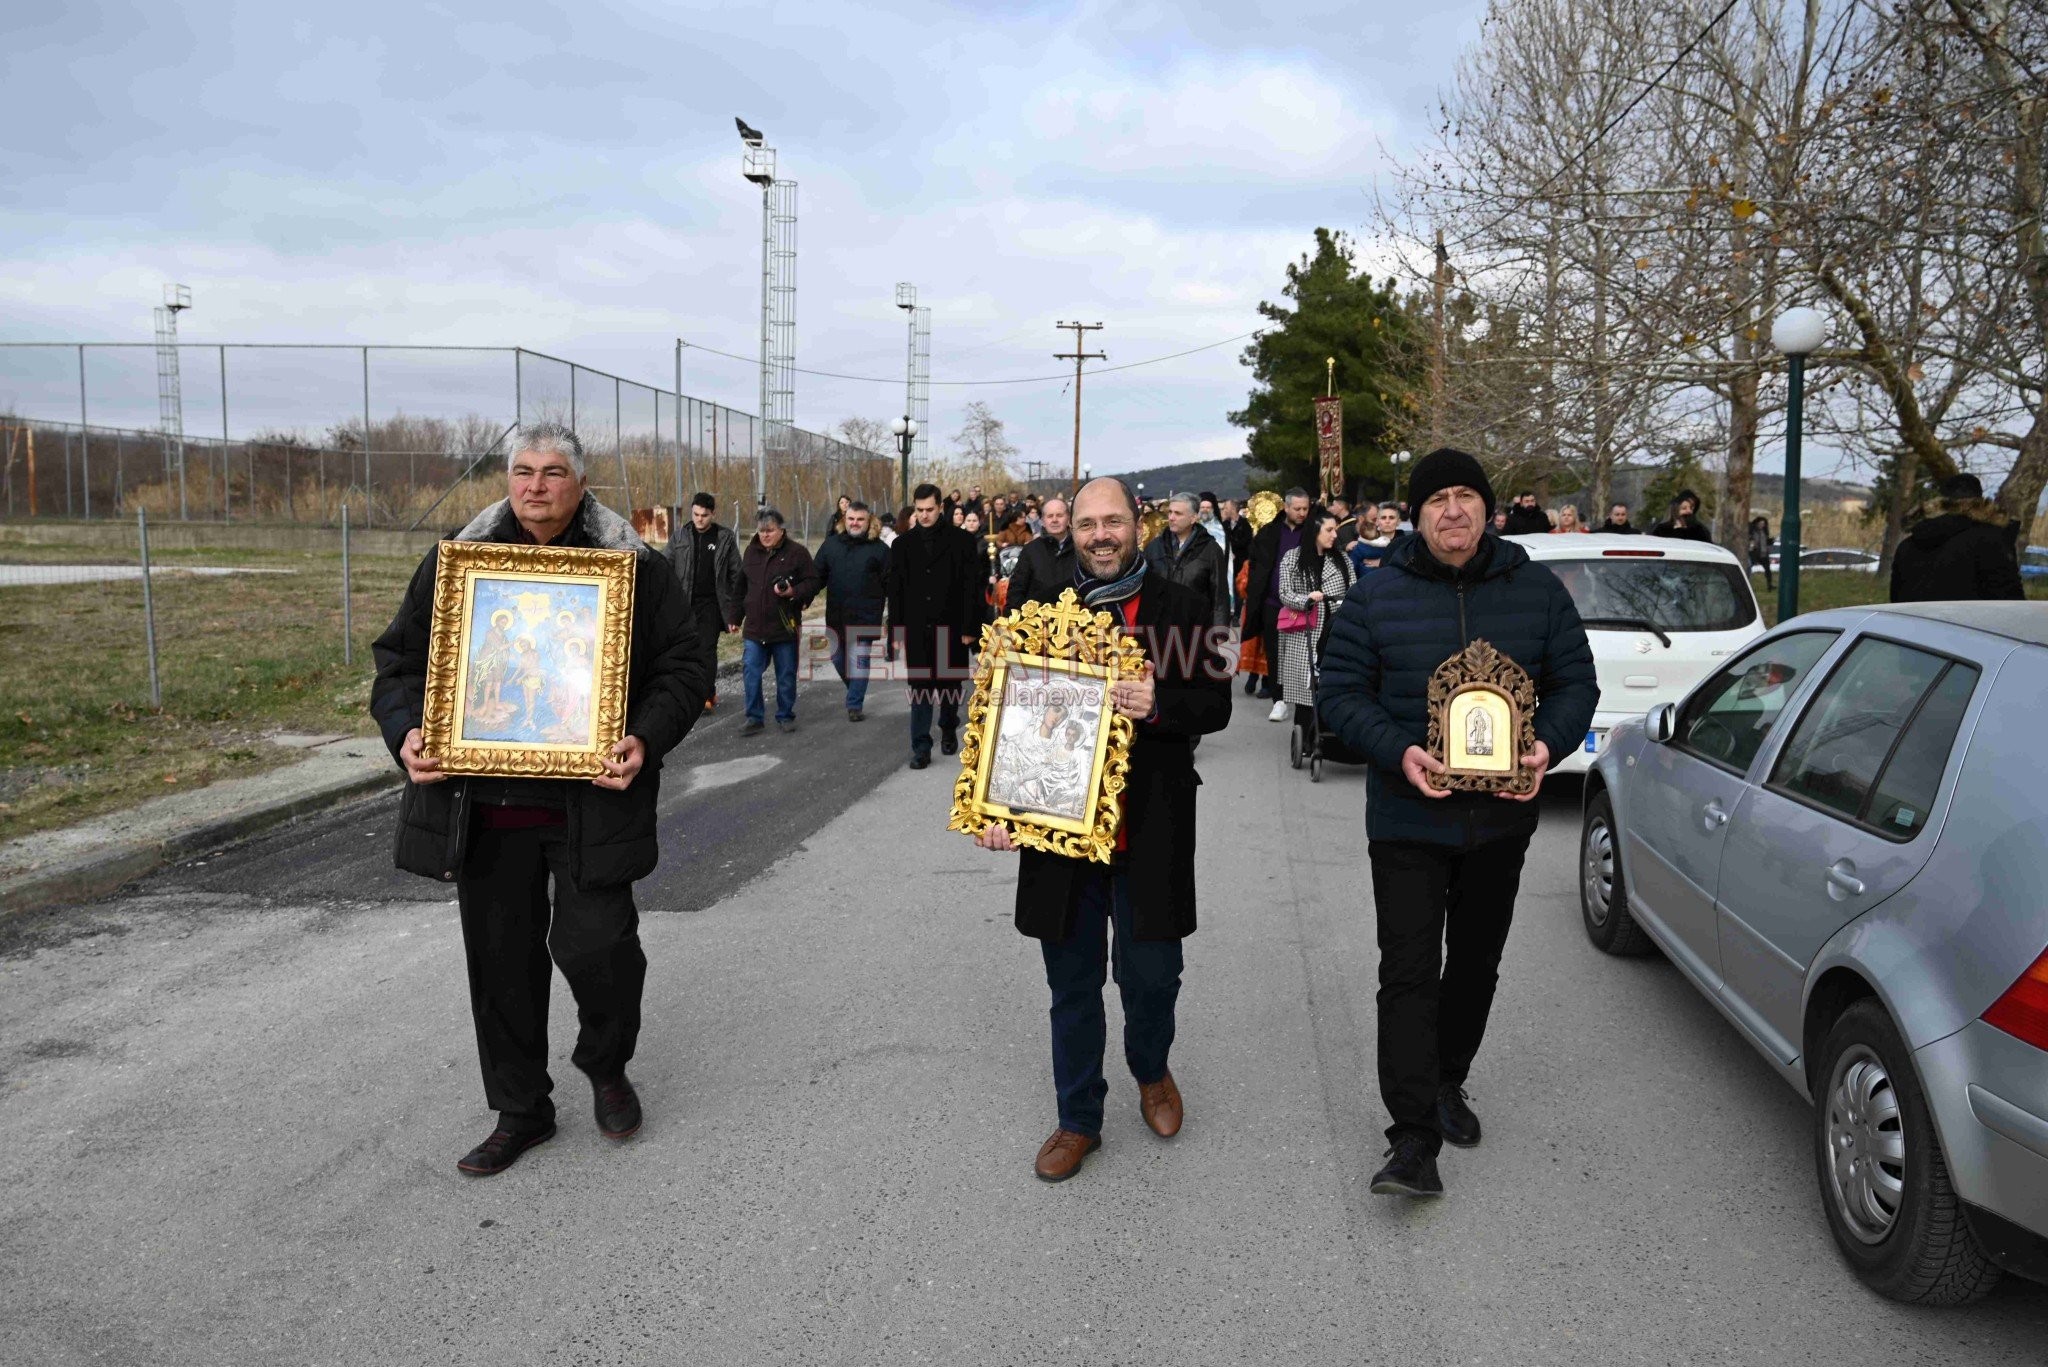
(1460, 668)
(1144, 897)
(521, 690)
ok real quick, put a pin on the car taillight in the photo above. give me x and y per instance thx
(2023, 1011)
(1635, 555)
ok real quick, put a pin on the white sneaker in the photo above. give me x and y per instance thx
(1279, 712)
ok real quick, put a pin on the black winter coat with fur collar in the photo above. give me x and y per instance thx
(612, 837)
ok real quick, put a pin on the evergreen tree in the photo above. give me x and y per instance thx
(1338, 312)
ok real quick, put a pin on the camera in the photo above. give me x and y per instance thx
(782, 583)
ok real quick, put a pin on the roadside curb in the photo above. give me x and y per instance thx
(112, 866)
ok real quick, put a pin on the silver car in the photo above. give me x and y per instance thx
(1841, 837)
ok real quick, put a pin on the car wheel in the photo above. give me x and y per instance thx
(1883, 1180)
(1603, 902)
(1294, 747)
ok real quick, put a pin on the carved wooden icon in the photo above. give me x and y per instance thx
(1482, 720)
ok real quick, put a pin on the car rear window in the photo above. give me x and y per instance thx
(1674, 595)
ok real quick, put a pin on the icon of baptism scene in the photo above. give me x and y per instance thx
(1046, 736)
(530, 674)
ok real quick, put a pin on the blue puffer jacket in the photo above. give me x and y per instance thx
(1393, 631)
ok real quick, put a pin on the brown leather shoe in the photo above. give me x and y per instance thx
(1060, 1156)
(1160, 1101)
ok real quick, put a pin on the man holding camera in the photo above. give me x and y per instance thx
(781, 580)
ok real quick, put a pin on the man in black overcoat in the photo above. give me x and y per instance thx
(505, 842)
(1185, 553)
(1048, 560)
(934, 582)
(1145, 896)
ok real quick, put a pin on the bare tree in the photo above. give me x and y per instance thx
(981, 440)
(867, 434)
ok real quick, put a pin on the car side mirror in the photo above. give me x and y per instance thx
(1662, 722)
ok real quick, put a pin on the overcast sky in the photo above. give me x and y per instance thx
(569, 180)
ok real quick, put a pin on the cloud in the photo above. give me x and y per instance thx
(574, 188)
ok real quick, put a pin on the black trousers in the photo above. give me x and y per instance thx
(510, 932)
(710, 625)
(1443, 917)
(922, 698)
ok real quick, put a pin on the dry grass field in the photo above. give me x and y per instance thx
(241, 658)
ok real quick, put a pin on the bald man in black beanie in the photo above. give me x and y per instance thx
(1445, 866)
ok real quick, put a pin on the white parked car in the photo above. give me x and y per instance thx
(1661, 615)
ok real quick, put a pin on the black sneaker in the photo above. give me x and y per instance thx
(753, 728)
(1251, 684)
(1410, 1170)
(920, 761)
(786, 726)
(618, 1107)
(1454, 1119)
(502, 1150)
(949, 742)
(853, 714)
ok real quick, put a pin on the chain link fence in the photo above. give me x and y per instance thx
(402, 436)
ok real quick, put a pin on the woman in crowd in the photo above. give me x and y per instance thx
(1567, 519)
(1314, 577)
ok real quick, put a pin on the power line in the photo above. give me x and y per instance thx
(1020, 379)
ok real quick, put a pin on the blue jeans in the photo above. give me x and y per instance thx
(1147, 977)
(754, 661)
(864, 640)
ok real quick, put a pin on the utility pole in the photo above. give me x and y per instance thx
(1077, 356)
(1437, 372)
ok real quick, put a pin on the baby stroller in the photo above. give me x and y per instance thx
(1321, 744)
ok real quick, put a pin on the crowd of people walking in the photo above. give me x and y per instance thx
(1338, 615)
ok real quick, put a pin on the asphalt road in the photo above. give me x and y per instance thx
(231, 1101)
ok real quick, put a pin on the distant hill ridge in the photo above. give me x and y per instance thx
(1227, 478)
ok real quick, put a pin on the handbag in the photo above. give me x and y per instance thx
(1293, 619)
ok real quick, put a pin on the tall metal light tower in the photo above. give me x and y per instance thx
(917, 383)
(170, 394)
(778, 302)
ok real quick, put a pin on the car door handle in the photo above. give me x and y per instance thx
(1842, 879)
(1713, 816)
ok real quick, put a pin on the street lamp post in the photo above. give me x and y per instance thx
(1399, 459)
(905, 429)
(1798, 333)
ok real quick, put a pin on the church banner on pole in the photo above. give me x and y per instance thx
(1330, 445)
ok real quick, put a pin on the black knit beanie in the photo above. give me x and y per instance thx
(1445, 468)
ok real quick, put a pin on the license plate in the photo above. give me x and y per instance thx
(1593, 741)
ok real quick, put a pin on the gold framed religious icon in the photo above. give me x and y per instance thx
(1482, 720)
(1043, 751)
(527, 659)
